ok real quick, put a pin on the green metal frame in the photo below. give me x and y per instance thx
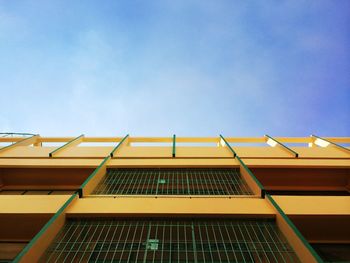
(333, 143)
(245, 167)
(170, 240)
(44, 228)
(172, 181)
(295, 229)
(284, 146)
(80, 190)
(64, 145)
(8, 146)
(174, 145)
(119, 144)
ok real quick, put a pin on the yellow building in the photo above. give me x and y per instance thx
(176, 199)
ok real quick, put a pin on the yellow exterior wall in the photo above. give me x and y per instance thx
(304, 254)
(25, 151)
(314, 205)
(115, 162)
(320, 152)
(181, 152)
(43, 240)
(141, 152)
(32, 204)
(173, 162)
(298, 163)
(50, 163)
(156, 156)
(170, 206)
(198, 152)
(85, 152)
(262, 152)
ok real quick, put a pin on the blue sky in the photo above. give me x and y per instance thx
(193, 68)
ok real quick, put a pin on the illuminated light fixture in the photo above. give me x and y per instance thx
(321, 143)
(271, 142)
(222, 143)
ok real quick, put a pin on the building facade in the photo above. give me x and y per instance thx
(174, 199)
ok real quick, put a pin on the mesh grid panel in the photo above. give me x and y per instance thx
(178, 181)
(112, 240)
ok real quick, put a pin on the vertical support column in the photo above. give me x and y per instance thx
(174, 145)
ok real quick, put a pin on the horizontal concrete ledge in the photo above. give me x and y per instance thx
(150, 163)
(172, 162)
(314, 205)
(49, 163)
(171, 206)
(298, 163)
(31, 204)
(174, 196)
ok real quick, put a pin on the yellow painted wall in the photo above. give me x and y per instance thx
(320, 152)
(314, 205)
(167, 205)
(262, 152)
(27, 151)
(139, 151)
(31, 204)
(85, 152)
(171, 162)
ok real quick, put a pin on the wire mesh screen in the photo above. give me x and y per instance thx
(180, 181)
(106, 240)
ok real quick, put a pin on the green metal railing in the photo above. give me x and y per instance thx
(177, 181)
(135, 241)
